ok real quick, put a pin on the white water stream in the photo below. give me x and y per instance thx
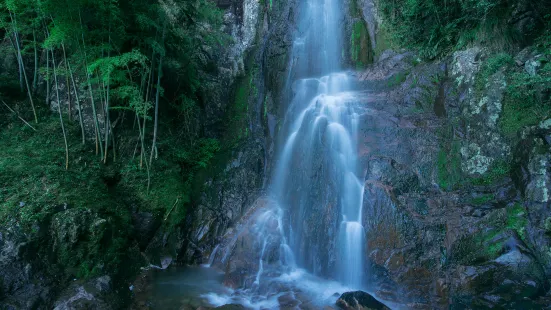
(317, 190)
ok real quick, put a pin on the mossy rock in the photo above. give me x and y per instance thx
(547, 225)
(490, 241)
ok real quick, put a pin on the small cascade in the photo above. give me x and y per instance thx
(268, 228)
(212, 256)
(260, 264)
(308, 236)
(322, 138)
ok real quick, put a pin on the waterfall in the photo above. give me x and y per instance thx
(322, 137)
(307, 235)
(317, 166)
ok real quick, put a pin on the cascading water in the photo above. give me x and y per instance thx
(317, 168)
(322, 141)
(311, 227)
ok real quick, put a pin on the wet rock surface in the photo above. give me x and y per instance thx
(437, 236)
(435, 239)
(359, 301)
(250, 76)
(22, 283)
(31, 274)
(93, 294)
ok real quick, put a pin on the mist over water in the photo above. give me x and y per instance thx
(313, 217)
(322, 140)
(317, 167)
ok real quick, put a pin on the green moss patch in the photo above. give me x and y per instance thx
(483, 199)
(360, 45)
(483, 245)
(491, 66)
(497, 171)
(361, 51)
(449, 166)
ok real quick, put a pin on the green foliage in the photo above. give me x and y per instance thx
(238, 126)
(436, 29)
(449, 166)
(491, 66)
(121, 40)
(33, 172)
(497, 171)
(483, 199)
(484, 245)
(360, 45)
(361, 51)
(37, 191)
(397, 79)
(516, 219)
(526, 102)
(118, 45)
(35, 187)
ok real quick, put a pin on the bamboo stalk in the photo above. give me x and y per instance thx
(61, 115)
(24, 121)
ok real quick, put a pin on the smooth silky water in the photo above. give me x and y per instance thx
(316, 170)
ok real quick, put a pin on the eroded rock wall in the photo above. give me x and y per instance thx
(242, 112)
(454, 216)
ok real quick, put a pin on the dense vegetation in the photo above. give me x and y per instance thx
(436, 28)
(503, 28)
(134, 62)
(125, 79)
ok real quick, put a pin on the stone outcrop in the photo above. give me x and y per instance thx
(240, 112)
(359, 301)
(94, 294)
(23, 285)
(30, 263)
(437, 235)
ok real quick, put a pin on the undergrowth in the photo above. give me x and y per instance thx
(436, 28)
(91, 201)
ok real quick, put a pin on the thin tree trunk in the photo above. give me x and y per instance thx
(47, 78)
(20, 57)
(145, 122)
(16, 49)
(76, 96)
(22, 119)
(156, 125)
(149, 87)
(69, 103)
(60, 115)
(106, 120)
(113, 143)
(150, 79)
(139, 135)
(96, 122)
(69, 108)
(107, 116)
(35, 76)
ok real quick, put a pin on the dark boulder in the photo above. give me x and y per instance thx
(145, 225)
(231, 307)
(23, 282)
(359, 301)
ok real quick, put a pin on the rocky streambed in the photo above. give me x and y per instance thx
(444, 226)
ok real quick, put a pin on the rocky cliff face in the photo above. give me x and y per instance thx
(445, 224)
(455, 210)
(239, 111)
(249, 80)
